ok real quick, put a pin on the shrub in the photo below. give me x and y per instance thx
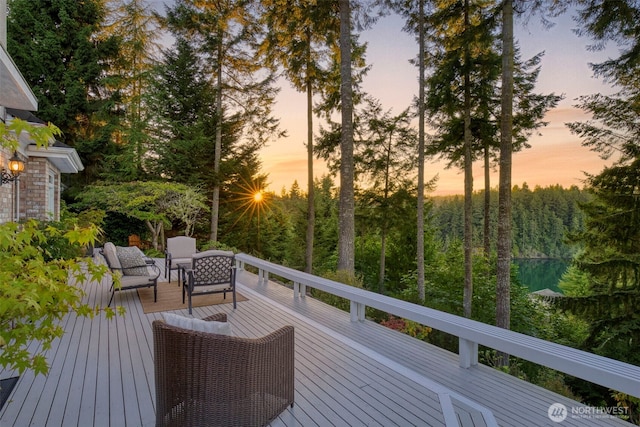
(37, 263)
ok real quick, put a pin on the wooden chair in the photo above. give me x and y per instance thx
(179, 250)
(204, 379)
(211, 272)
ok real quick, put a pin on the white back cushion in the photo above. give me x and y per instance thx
(181, 246)
(109, 252)
(220, 328)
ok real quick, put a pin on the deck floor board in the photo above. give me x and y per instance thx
(347, 374)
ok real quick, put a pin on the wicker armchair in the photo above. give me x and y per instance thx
(205, 379)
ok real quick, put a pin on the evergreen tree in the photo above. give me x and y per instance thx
(326, 238)
(59, 48)
(226, 34)
(463, 57)
(183, 103)
(302, 41)
(134, 24)
(416, 24)
(612, 225)
(386, 159)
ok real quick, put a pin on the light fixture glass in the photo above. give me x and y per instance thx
(16, 165)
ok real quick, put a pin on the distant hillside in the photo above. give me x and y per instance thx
(541, 218)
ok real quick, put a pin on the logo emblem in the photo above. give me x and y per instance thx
(557, 412)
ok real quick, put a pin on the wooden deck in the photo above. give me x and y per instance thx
(347, 373)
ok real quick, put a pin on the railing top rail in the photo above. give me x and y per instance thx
(610, 373)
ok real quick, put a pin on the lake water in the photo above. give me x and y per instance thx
(537, 274)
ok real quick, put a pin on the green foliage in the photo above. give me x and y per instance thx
(35, 293)
(134, 25)
(58, 49)
(444, 289)
(183, 107)
(632, 403)
(574, 282)
(542, 218)
(218, 246)
(610, 264)
(341, 276)
(118, 227)
(152, 202)
(41, 135)
(610, 261)
(256, 227)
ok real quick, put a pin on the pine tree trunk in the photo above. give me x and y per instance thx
(215, 200)
(421, 136)
(383, 256)
(487, 204)
(467, 297)
(311, 212)
(346, 226)
(503, 286)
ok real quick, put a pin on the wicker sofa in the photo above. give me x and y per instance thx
(206, 379)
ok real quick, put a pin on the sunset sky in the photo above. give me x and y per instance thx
(556, 157)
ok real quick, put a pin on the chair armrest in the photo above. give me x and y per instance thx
(154, 267)
(218, 317)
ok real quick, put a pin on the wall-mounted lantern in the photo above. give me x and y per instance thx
(16, 167)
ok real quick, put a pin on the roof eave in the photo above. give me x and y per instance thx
(66, 159)
(15, 92)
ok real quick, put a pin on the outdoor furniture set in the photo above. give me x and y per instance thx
(230, 381)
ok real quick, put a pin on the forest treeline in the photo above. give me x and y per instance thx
(542, 217)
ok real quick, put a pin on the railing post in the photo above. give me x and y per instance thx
(299, 290)
(468, 353)
(263, 276)
(357, 311)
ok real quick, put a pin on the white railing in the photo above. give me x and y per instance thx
(600, 370)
